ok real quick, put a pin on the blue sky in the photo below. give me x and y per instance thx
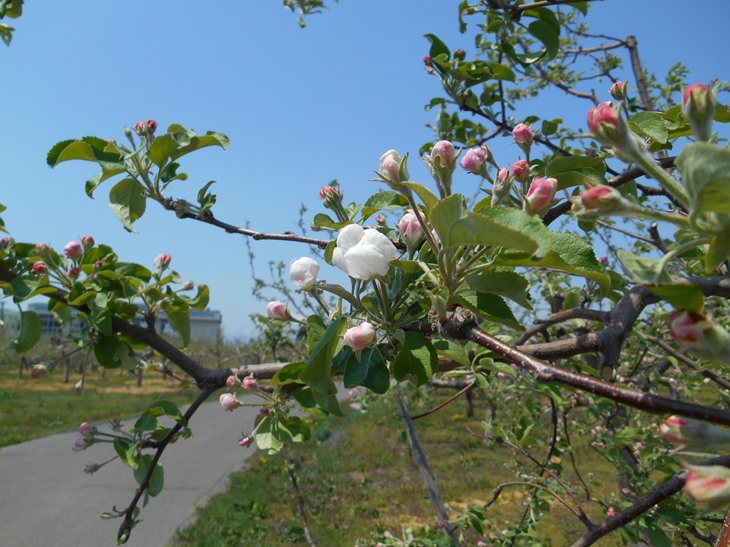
(301, 107)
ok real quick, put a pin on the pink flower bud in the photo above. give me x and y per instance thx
(245, 442)
(607, 126)
(88, 242)
(87, 429)
(248, 383)
(37, 371)
(502, 175)
(611, 511)
(276, 310)
(82, 442)
(392, 168)
(521, 170)
(708, 484)
(701, 336)
(303, 272)
(523, 136)
(330, 195)
(443, 156)
(39, 267)
(426, 60)
(98, 264)
(475, 160)
(687, 327)
(263, 411)
(73, 272)
(162, 261)
(140, 128)
(229, 402)
(618, 90)
(501, 186)
(188, 285)
(604, 199)
(41, 247)
(360, 336)
(698, 107)
(411, 228)
(381, 220)
(92, 468)
(151, 126)
(541, 194)
(4, 242)
(232, 381)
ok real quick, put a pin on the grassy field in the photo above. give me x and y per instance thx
(357, 476)
(33, 408)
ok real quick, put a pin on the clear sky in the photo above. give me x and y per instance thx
(301, 107)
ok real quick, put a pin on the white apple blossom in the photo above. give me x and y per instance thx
(361, 253)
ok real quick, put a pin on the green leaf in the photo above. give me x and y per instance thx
(576, 171)
(428, 198)
(324, 221)
(130, 269)
(705, 172)
(126, 452)
(211, 138)
(179, 319)
(437, 47)
(718, 252)
(504, 283)
(86, 149)
(288, 375)
(488, 306)
(161, 148)
(546, 33)
(651, 125)
(30, 332)
(317, 372)
(200, 301)
(127, 200)
(368, 371)
(683, 296)
(641, 269)
(157, 480)
(383, 201)
(417, 359)
(497, 226)
(569, 253)
(111, 352)
(27, 286)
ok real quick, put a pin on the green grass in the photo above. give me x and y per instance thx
(357, 476)
(34, 408)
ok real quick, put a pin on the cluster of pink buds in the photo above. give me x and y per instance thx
(145, 129)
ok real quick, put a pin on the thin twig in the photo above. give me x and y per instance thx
(446, 402)
(126, 527)
(300, 498)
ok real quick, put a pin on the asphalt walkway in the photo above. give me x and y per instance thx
(47, 500)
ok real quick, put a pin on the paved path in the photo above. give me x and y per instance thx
(47, 500)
